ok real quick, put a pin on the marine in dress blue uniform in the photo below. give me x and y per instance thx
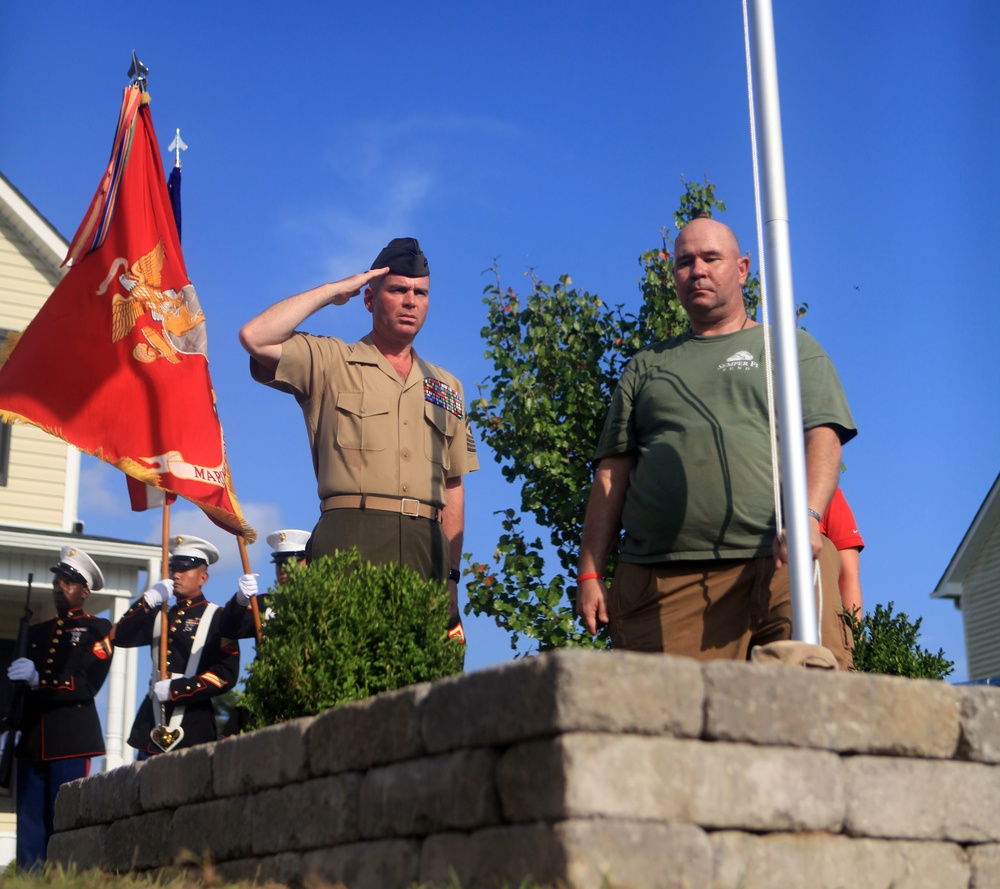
(68, 661)
(201, 666)
(287, 546)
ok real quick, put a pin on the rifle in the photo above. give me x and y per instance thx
(16, 712)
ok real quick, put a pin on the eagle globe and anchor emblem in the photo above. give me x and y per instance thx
(181, 325)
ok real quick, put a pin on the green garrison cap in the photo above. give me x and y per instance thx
(404, 257)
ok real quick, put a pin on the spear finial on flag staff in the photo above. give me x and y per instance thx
(177, 146)
(137, 73)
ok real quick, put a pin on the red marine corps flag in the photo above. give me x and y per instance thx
(116, 360)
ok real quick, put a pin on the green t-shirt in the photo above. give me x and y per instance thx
(694, 411)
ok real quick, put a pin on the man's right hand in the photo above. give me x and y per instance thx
(348, 288)
(246, 588)
(262, 336)
(23, 670)
(592, 604)
(159, 592)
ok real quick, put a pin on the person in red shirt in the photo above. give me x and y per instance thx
(839, 525)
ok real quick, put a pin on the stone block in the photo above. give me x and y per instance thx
(573, 854)
(422, 796)
(110, 796)
(569, 690)
(712, 785)
(284, 870)
(315, 813)
(984, 862)
(174, 779)
(268, 757)
(794, 861)
(217, 830)
(139, 843)
(356, 736)
(67, 814)
(850, 712)
(980, 723)
(83, 848)
(922, 799)
(379, 865)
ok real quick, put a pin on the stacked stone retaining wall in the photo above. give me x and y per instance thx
(583, 768)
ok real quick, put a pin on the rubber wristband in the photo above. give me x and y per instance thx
(816, 515)
(594, 575)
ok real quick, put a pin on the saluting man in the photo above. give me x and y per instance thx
(237, 617)
(68, 661)
(201, 661)
(388, 430)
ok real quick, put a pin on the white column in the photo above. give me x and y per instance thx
(128, 716)
(114, 741)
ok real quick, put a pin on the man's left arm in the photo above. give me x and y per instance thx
(453, 525)
(822, 474)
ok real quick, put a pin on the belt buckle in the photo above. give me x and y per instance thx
(409, 507)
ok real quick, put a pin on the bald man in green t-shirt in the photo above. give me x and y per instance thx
(684, 471)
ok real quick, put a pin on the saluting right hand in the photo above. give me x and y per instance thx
(159, 592)
(348, 288)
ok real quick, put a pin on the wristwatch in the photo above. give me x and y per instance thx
(455, 575)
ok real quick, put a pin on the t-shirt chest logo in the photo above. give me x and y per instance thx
(440, 393)
(741, 360)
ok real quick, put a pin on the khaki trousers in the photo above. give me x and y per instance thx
(718, 610)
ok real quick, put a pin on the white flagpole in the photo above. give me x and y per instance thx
(779, 271)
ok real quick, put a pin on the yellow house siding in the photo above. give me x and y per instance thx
(35, 493)
(36, 487)
(25, 281)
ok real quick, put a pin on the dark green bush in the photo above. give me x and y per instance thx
(887, 643)
(344, 629)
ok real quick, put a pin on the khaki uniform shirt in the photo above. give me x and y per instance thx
(369, 432)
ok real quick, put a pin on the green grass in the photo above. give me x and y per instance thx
(193, 877)
(58, 877)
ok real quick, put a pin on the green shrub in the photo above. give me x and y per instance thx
(887, 643)
(344, 629)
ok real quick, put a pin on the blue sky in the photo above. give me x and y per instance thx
(554, 138)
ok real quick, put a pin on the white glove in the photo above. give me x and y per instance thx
(159, 592)
(247, 588)
(3, 740)
(23, 670)
(162, 690)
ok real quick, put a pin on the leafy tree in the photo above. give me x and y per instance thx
(887, 643)
(345, 629)
(557, 354)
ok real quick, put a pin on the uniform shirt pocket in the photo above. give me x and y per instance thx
(362, 422)
(440, 428)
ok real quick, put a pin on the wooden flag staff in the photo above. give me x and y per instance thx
(253, 599)
(163, 735)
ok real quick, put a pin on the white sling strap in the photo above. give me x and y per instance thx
(194, 660)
